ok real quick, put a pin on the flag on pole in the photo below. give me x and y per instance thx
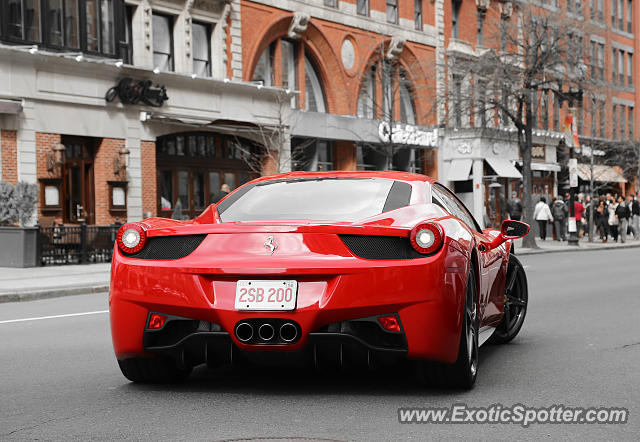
(570, 131)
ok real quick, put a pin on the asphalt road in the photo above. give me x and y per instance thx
(580, 346)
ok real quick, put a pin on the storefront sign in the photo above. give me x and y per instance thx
(407, 134)
(538, 152)
(132, 91)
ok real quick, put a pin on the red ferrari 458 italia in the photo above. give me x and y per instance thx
(333, 268)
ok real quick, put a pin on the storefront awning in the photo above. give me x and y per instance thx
(504, 168)
(601, 173)
(10, 107)
(459, 170)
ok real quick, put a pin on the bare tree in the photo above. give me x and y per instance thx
(528, 55)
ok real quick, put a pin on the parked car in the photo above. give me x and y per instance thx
(335, 268)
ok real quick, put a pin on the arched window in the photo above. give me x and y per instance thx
(284, 64)
(386, 93)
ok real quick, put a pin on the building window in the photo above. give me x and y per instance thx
(621, 68)
(594, 118)
(392, 11)
(331, 3)
(614, 122)
(621, 15)
(163, 42)
(95, 26)
(312, 155)
(290, 65)
(602, 119)
(362, 7)
(481, 14)
(614, 66)
(630, 125)
(600, 61)
(371, 158)
(417, 14)
(201, 36)
(630, 70)
(545, 110)
(597, 10)
(455, 18)
(614, 4)
(457, 100)
(556, 114)
(396, 91)
(623, 122)
(630, 16)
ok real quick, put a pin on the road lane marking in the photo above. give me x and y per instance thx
(68, 315)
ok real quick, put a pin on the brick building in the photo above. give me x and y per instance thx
(478, 156)
(318, 84)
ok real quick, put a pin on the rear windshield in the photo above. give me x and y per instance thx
(324, 199)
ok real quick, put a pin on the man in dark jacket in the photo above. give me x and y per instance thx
(560, 213)
(514, 207)
(623, 213)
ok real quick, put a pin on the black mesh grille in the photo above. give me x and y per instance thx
(168, 247)
(380, 247)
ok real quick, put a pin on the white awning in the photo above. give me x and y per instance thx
(459, 170)
(504, 168)
(549, 167)
(10, 107)
(601, 173)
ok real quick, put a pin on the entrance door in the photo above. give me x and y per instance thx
(77, 188)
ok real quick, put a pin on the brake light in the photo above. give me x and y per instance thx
(156, 321)
(389, 323)
(131, 238)
(427, 238)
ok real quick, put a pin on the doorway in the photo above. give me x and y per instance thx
(78, 180)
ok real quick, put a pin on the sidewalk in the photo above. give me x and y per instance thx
(48, 282)
(550, 246)
(26, 284)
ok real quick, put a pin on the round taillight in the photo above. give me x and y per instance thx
(427, 238)
(131, 238)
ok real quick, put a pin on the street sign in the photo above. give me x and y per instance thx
(572, 225)
(573, 172)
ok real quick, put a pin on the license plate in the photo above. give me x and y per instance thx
(266, 294)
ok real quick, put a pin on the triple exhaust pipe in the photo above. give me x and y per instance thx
(265, 333)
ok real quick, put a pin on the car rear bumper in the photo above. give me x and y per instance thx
(427, 295)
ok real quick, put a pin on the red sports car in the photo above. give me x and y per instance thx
(333, 268)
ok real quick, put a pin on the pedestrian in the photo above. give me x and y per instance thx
(224, 191)
(635, 217)
(622, 213)
(514, 207)
(559, 213)
(587, 222)
(602, 219)
(578, 210)
(613, 220)
(542, 214)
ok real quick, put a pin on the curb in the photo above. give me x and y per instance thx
(578, 248)
(33, 295)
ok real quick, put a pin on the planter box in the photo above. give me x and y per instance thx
(18, 246)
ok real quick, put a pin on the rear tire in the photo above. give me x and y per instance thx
(515, 303)
(153, 370)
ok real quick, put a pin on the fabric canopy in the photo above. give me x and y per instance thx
(459, 169)
(601, 173)
(504, 168)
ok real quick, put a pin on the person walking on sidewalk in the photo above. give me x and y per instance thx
(635, 217)
(542, 214)
(613, 220)
(514, 207)
(559, 213)
(622, 213)
(578, 210)
(602, 219)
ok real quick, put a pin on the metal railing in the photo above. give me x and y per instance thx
(80, 244)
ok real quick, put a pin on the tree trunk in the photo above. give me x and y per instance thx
(528, 241)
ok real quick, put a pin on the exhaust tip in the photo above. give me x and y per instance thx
(244, 331)
(288, 332)
(266, 332)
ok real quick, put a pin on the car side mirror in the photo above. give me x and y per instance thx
(509, 229)
(512, 229)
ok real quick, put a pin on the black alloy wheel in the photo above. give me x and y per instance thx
(516, 298)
